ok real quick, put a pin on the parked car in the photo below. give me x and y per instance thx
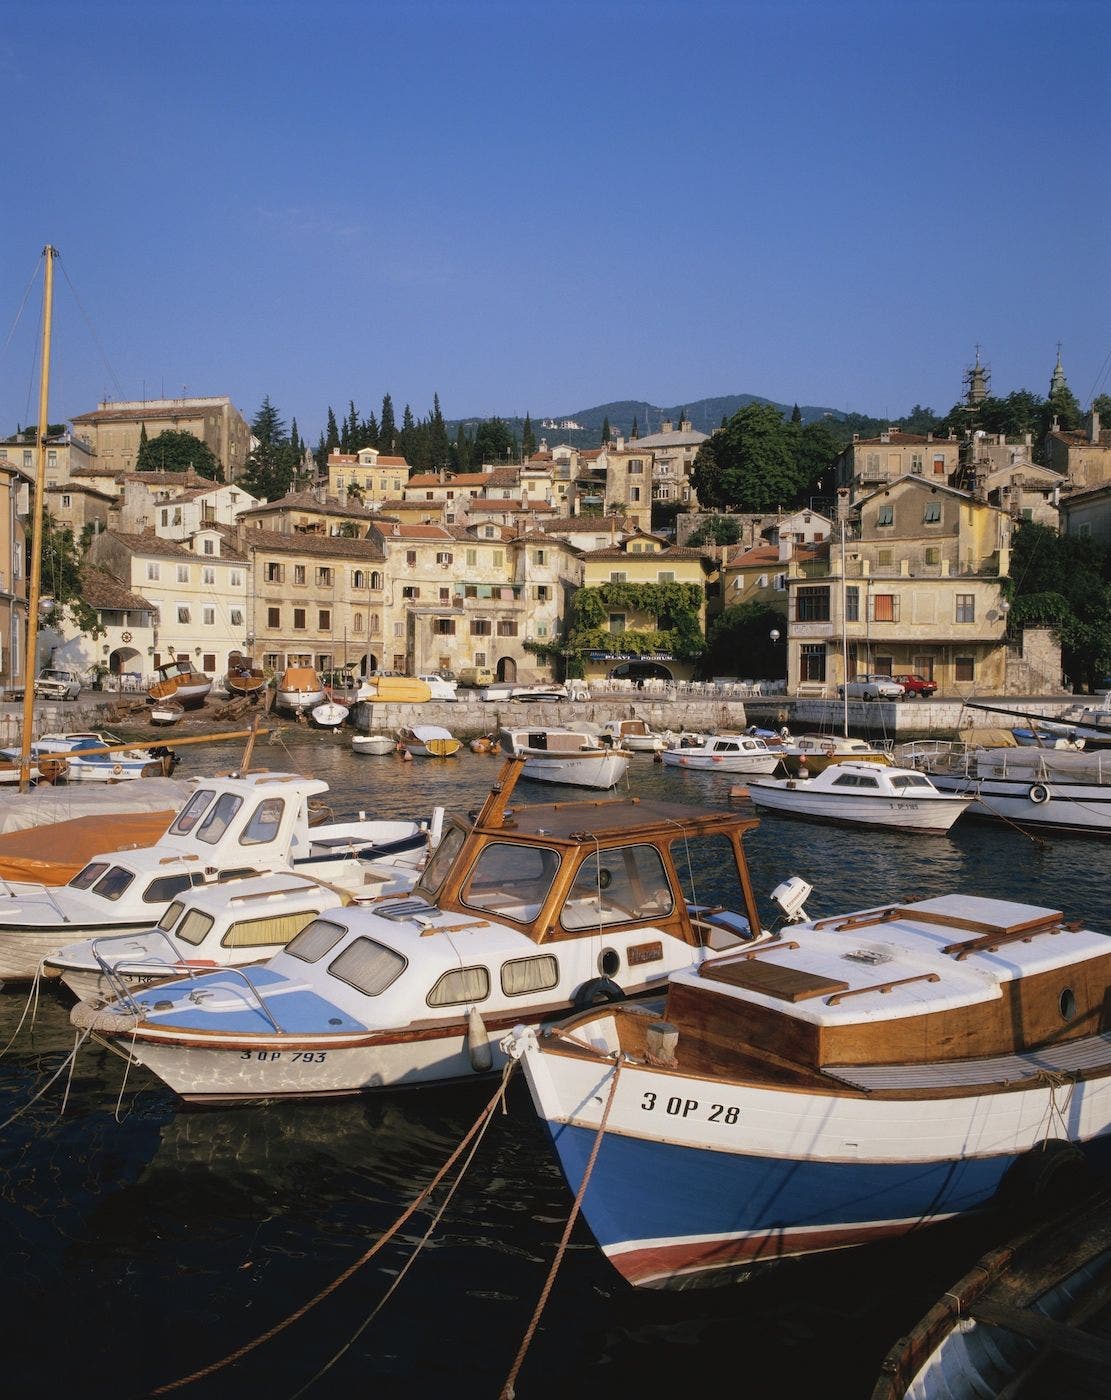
(442, 687)
(476, 676)
(916, 687)
(55, 684)
(871, 688)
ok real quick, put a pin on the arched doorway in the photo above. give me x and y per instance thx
(368, 664)
(507, 669)
(126, 665)
(641, 671)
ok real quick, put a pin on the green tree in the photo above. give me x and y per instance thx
(387, 427)
(271, 466)
(739, 643)
(719, 529)
(528, 439)
(1102, 405)
(61, 562)
(816, 449)
(174, 451)
(634, 432)
(439, 448)
(493, 442)
(605, 429)
(796, 414)
(1064, 582)
(747, 465)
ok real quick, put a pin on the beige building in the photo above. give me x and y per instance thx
(870, 462)
(919, 593)
(115, 429)
(1084, 458)
(309, 513)
(127, 645)
(67, 455)
(315, 600)
(375, 476)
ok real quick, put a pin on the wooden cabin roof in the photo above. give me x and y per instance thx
(608, 818)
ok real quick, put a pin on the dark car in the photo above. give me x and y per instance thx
(916, 687)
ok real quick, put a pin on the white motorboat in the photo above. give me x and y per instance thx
(862, 794)
(225, 925)
(298, 690)
(573, 756)
(373, 743)
(166, 711)
(516, 919)
(1043, 789)
(229, 827)
(723, 753)
(813, 752)
(634, 735)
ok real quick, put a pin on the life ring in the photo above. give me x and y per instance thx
(117, 768)
(125, 636)
(829, 748)
(596, 992)
(1039, 793)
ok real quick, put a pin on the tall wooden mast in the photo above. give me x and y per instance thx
(29, 651)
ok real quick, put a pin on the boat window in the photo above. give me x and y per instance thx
(524, 975)
(440, 862)
(905, 780)
(171, 916)
(846, 780)
(367, 966)
(264, 823)
(465, 984)
(273, 928)
(194, 926)
(192, 812)
(320, 937)
(165, 887)
(89, 876)
(726, 746)
(512, 881)
(707, 870)
(612, 887)
(216, 822)
(112, 885)
(867, 782)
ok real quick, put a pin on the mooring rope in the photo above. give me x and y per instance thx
(369, 1254)
(32, 1000)
(507, 1390)
(68, 1062)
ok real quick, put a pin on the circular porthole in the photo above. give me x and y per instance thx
(1067, 1003)
(609, 962)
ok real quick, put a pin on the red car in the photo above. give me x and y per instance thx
(916, 687)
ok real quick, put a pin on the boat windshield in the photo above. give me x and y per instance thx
(615, 886)
(192, 812)
(905, 780)
(512, 881)
(441, 862)
(89, 876)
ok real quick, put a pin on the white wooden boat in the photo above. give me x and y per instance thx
(862, 794)
(722, 753)
(227, 925)
(429, 741)
(230, 825)
(516, 918)
(166, 711)
(813, 752)
(329, 714)
(298, 690)
(858, 1078)
(179, 681)
(373, 743)
(634, 735)
(1043, 789)
(573, 756)
(97, 757)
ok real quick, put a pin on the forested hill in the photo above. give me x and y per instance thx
(703, 414)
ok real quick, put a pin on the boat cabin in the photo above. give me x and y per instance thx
(555, 869)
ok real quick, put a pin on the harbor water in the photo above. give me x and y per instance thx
(144, 1241)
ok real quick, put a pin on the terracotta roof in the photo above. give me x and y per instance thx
(305, 500)
(675, 552)
(333, 546)
(72, 488)
(150, 543)
(758, 554)
(587, 524)
(101, 589)
(416, 532)
(183, 479)
(427, 479)
(493, 504)
(351, 459)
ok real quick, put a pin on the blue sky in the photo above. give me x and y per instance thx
(542, 207)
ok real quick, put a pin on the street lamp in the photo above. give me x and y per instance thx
(774, 634)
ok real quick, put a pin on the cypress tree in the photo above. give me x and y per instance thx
(528, 439)
(439, 449)
(605, 429)
(331, 439)
(387, 428)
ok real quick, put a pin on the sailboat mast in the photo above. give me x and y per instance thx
(31, 648)
(843, 507)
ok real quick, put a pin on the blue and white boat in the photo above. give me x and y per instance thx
(98, 757)
(858, 1078)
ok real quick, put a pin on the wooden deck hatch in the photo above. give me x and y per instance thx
(771, 979)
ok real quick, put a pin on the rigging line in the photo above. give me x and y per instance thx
(22, 307)
(92, 331)
(1101, 374)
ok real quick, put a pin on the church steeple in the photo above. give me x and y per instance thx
(1058, 381)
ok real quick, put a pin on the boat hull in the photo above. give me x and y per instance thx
(373, 743)
(1043, 803)
(721, 763)
(576, 770)
(768, 1173)
(916, 814)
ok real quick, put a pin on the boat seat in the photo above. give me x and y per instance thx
(1091, 1053)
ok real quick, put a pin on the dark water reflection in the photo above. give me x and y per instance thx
(144, 1241)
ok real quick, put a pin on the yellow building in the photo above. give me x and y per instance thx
(376, 476)
(870, 462)
(607, 610)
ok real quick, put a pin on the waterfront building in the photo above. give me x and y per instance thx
(868, 463)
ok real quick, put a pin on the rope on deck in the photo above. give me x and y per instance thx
(507, 1390)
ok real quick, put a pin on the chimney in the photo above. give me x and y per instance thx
(929, 437)
(665, 426)
(1093, 428)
